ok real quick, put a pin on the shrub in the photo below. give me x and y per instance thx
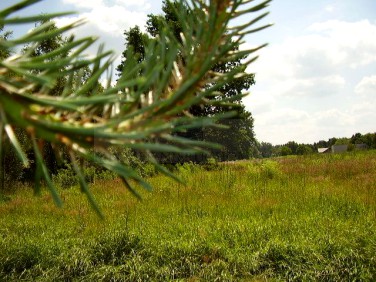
(270, 169)
(65, 177)
(211, 164)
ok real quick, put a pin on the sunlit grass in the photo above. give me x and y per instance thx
(300, 218)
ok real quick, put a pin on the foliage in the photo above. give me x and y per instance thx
(4, 52)
(265, 149)
(239, 143)
(309, 218)
(368, 139)
(303, 149)
(357, 141)
(285, 150)
(145, 109)
(342, 141)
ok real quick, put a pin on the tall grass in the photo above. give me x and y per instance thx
(299, 218)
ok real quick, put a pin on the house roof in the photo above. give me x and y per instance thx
(323, 150)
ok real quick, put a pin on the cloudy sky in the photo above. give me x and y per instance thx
(315, 80)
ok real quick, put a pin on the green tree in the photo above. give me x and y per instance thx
(241, 126)
(285, 151)
(136, 40)
(138, 112)
(237, 139)
(4, 53)
(342, 141)
(47, 46)
(4, 35)
(266, 149)
(356, 138)
(304, 149)
(293, 146)
(370, 140)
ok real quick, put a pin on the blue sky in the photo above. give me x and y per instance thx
(315, 80)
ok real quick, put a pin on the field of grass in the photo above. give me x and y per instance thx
(310, 218)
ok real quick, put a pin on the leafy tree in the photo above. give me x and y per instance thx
(266, 149)
(342, 141)
(45, 46)
(285, 151)
(136, 40)
(293, 147)
(241, 126)
(138, 112)
(320, 144)
(304, 149)
(237, 140)
(370, 140)
(357, 138)
(332, 141)
(4, 52)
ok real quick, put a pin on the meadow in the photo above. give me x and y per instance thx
(308, 218)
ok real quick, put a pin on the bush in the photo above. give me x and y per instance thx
(65, 177)
(266, 169)
(211, 164)
(186, 170)
(270, 169)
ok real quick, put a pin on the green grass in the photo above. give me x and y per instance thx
(300, 218)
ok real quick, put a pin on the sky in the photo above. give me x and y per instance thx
(315, 80)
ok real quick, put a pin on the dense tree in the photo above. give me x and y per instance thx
(342, 141)
(47, 46)
(304, 149)
(4, 35)
(285, 151)
(369, 139)
(356, 138)
(266, 149)
(293, 147)
(321, 144)
(136, 40)
(239, 139)
(4, 150)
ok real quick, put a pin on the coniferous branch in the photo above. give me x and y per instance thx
(149, 102)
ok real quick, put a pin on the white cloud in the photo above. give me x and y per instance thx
(109, 20)
(134, 3)
(329, 8)
(92, 4)
(326, 48)
(314, 86)
(355, 41)
(306, 84)
(283, 125)
(367, 87)
(334, 117)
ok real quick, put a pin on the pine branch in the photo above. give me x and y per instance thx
(149, 102)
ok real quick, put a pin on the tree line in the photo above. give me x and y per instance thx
(267, 150)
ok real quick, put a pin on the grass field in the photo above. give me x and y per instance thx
(309, 218)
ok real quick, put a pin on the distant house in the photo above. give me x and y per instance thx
(361, 146)
(339, 148)
(323, 150)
